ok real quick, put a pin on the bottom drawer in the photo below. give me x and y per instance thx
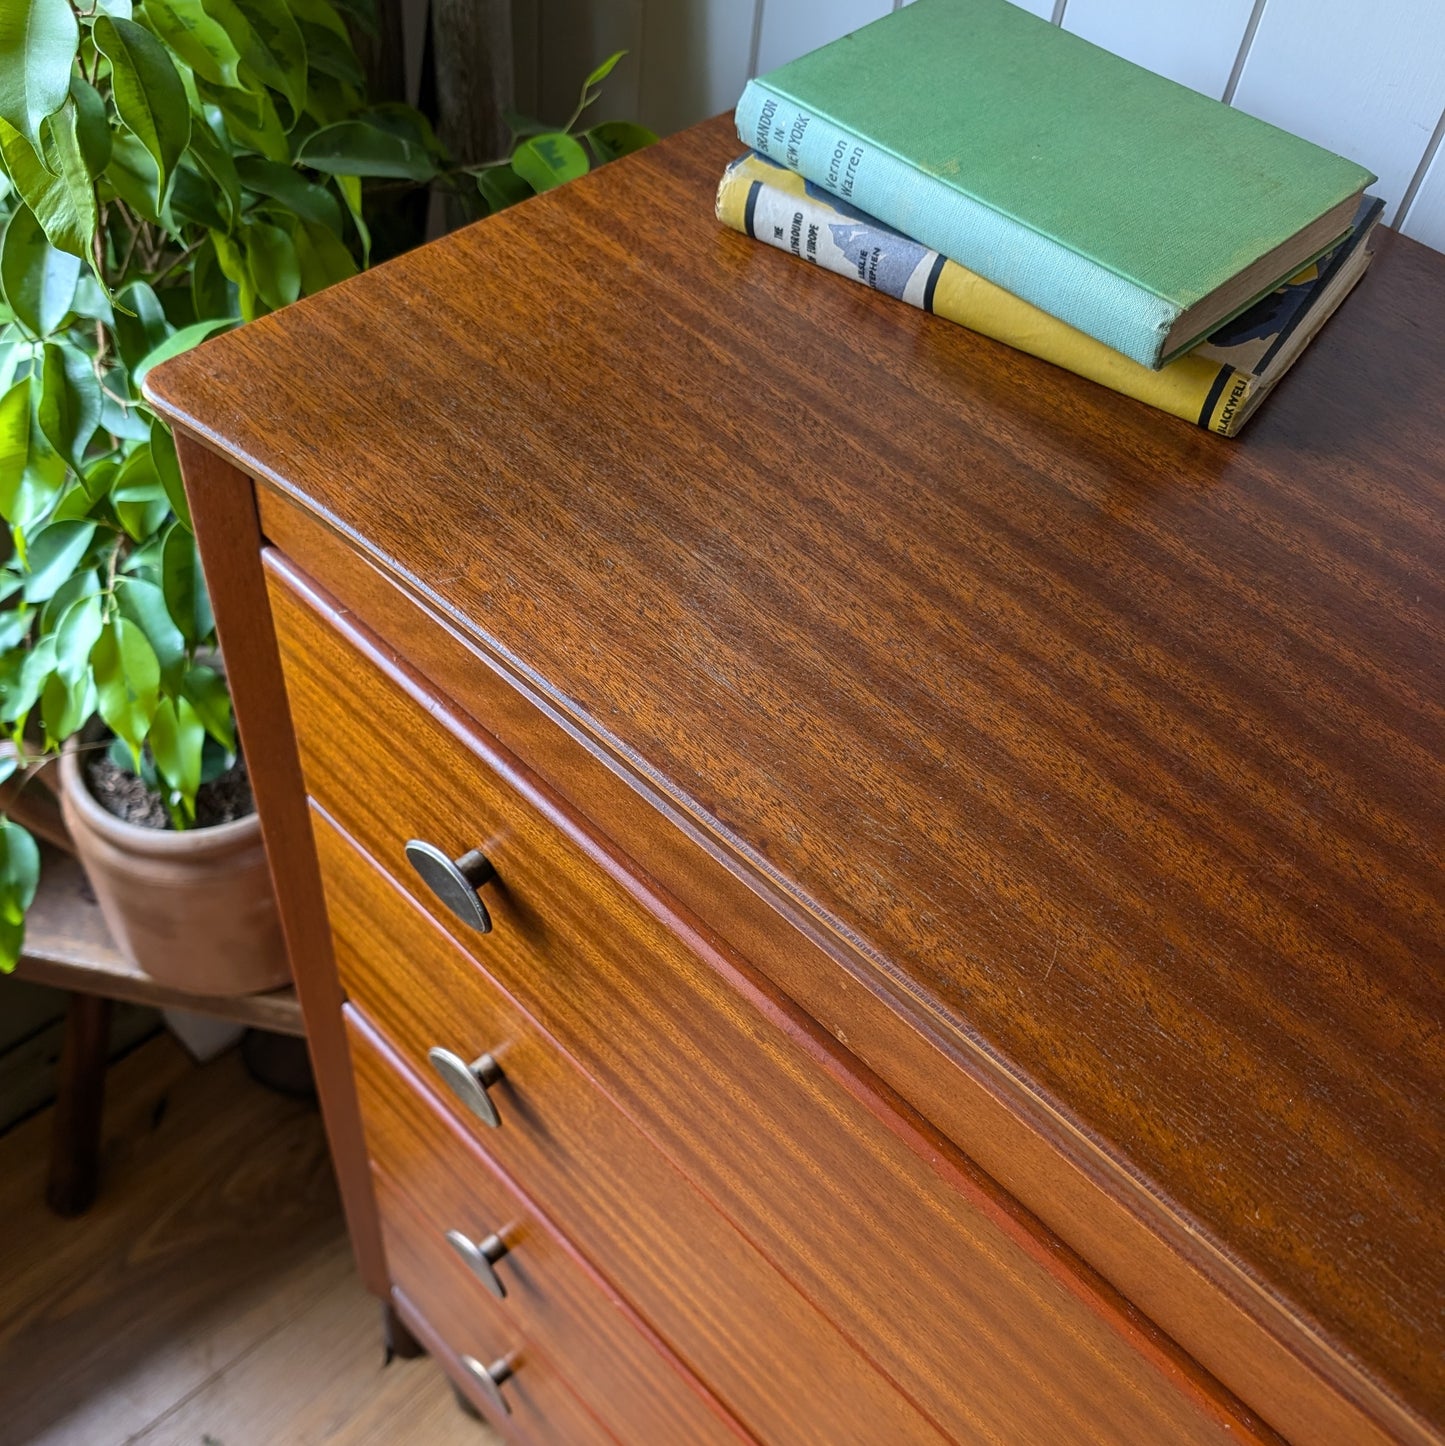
(432, 1181)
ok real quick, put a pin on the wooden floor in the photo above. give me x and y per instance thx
(208, 1298)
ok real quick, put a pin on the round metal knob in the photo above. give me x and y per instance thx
(481, 1256)
(488, 1380)
(469, 1082)
(455, 881)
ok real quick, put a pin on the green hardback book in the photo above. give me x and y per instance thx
(1133, 208)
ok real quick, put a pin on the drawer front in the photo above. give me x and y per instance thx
(434, 1181)
(940, 1279)
(731, 1317)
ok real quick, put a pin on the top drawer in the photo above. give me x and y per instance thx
(982, 1318)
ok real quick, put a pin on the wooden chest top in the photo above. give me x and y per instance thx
(1113, 746)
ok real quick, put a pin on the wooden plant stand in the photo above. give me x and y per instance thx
(68, 946)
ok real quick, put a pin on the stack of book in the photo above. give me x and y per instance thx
(972, 160)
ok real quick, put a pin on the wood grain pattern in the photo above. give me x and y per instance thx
(1244, 1335)
(642, 1224)
(432, 1178)
(1112, 748)
(68, 946)
(223, 510)
(543, 1411)
(641, 1003)
(219, 1207)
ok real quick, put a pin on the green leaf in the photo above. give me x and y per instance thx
(603, 70)
(145, 605)
(176, 739)
(76, 635)
(185, 587)
(59, 194)
(175, 344)
(232, 261)
(196, 37)
(78, 585)
(98, 478)
(91, 301)
(363, 12)
(614, 139)
(145, 328)
(308, 200)
(350, 188)
(207, 692)
(38, 280)
(15, 627)
(215, 161)
(323, 257)
(547, 161)
(127, 681)
(139, 500)
(168, 469)
(501, 187)
(133, 176)
(250, 115)
(359, 148)
(275, 267)
(191, 200)
(20, 695)
(148, 94)
(32, 472)
(38, 41)
(211, 294)
(19, 879)
(55, 554)
(65, 706)
(69, 410)
(91, 125)
(277, 53)
(331, 54)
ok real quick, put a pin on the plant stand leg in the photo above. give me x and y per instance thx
(396, 1339)
(80, 1094)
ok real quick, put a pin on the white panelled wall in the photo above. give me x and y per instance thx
(1364, 77)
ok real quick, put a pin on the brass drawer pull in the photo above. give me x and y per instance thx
(455, 881)
(469, 1082)
(488, 1379)
(481, 1257)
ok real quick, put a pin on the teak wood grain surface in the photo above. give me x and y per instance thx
(1113, 748)
(860, 1214)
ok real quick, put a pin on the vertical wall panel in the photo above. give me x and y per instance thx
(574, 36)
(694, 60)
(1366, 80)
(1426, 218)
(1191, 43)
(793, 27)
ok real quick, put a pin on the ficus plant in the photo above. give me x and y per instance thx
(168, 169)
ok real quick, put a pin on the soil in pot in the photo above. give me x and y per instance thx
(126, 795)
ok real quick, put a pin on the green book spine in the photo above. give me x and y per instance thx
(1107, 196)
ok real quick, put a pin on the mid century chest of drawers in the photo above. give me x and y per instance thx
(844, 890)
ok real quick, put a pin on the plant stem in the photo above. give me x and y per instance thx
(176, 261)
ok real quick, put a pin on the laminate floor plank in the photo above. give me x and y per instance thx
(209, 1293)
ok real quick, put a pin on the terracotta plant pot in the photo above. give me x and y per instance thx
(193, 909)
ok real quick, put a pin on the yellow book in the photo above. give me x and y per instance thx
(1218, 385)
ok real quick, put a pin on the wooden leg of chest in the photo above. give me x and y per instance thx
(223, 508)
